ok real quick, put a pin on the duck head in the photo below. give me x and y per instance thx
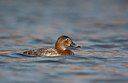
(64, 42)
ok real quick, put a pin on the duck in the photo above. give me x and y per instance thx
(61, 48)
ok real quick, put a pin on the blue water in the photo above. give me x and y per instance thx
(100, 27)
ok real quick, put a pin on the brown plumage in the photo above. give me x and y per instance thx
(60, 49)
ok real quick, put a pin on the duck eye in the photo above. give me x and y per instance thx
(67, 39)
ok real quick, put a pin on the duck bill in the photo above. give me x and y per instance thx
(74, 45)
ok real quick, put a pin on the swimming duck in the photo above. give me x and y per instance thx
(61, 48)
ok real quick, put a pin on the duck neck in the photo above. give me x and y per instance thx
(60, 48)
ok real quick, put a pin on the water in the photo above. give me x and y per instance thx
(100, 27)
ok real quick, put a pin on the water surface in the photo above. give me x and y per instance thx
(100, 27)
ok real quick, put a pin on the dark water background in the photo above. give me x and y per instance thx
(99, 26)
